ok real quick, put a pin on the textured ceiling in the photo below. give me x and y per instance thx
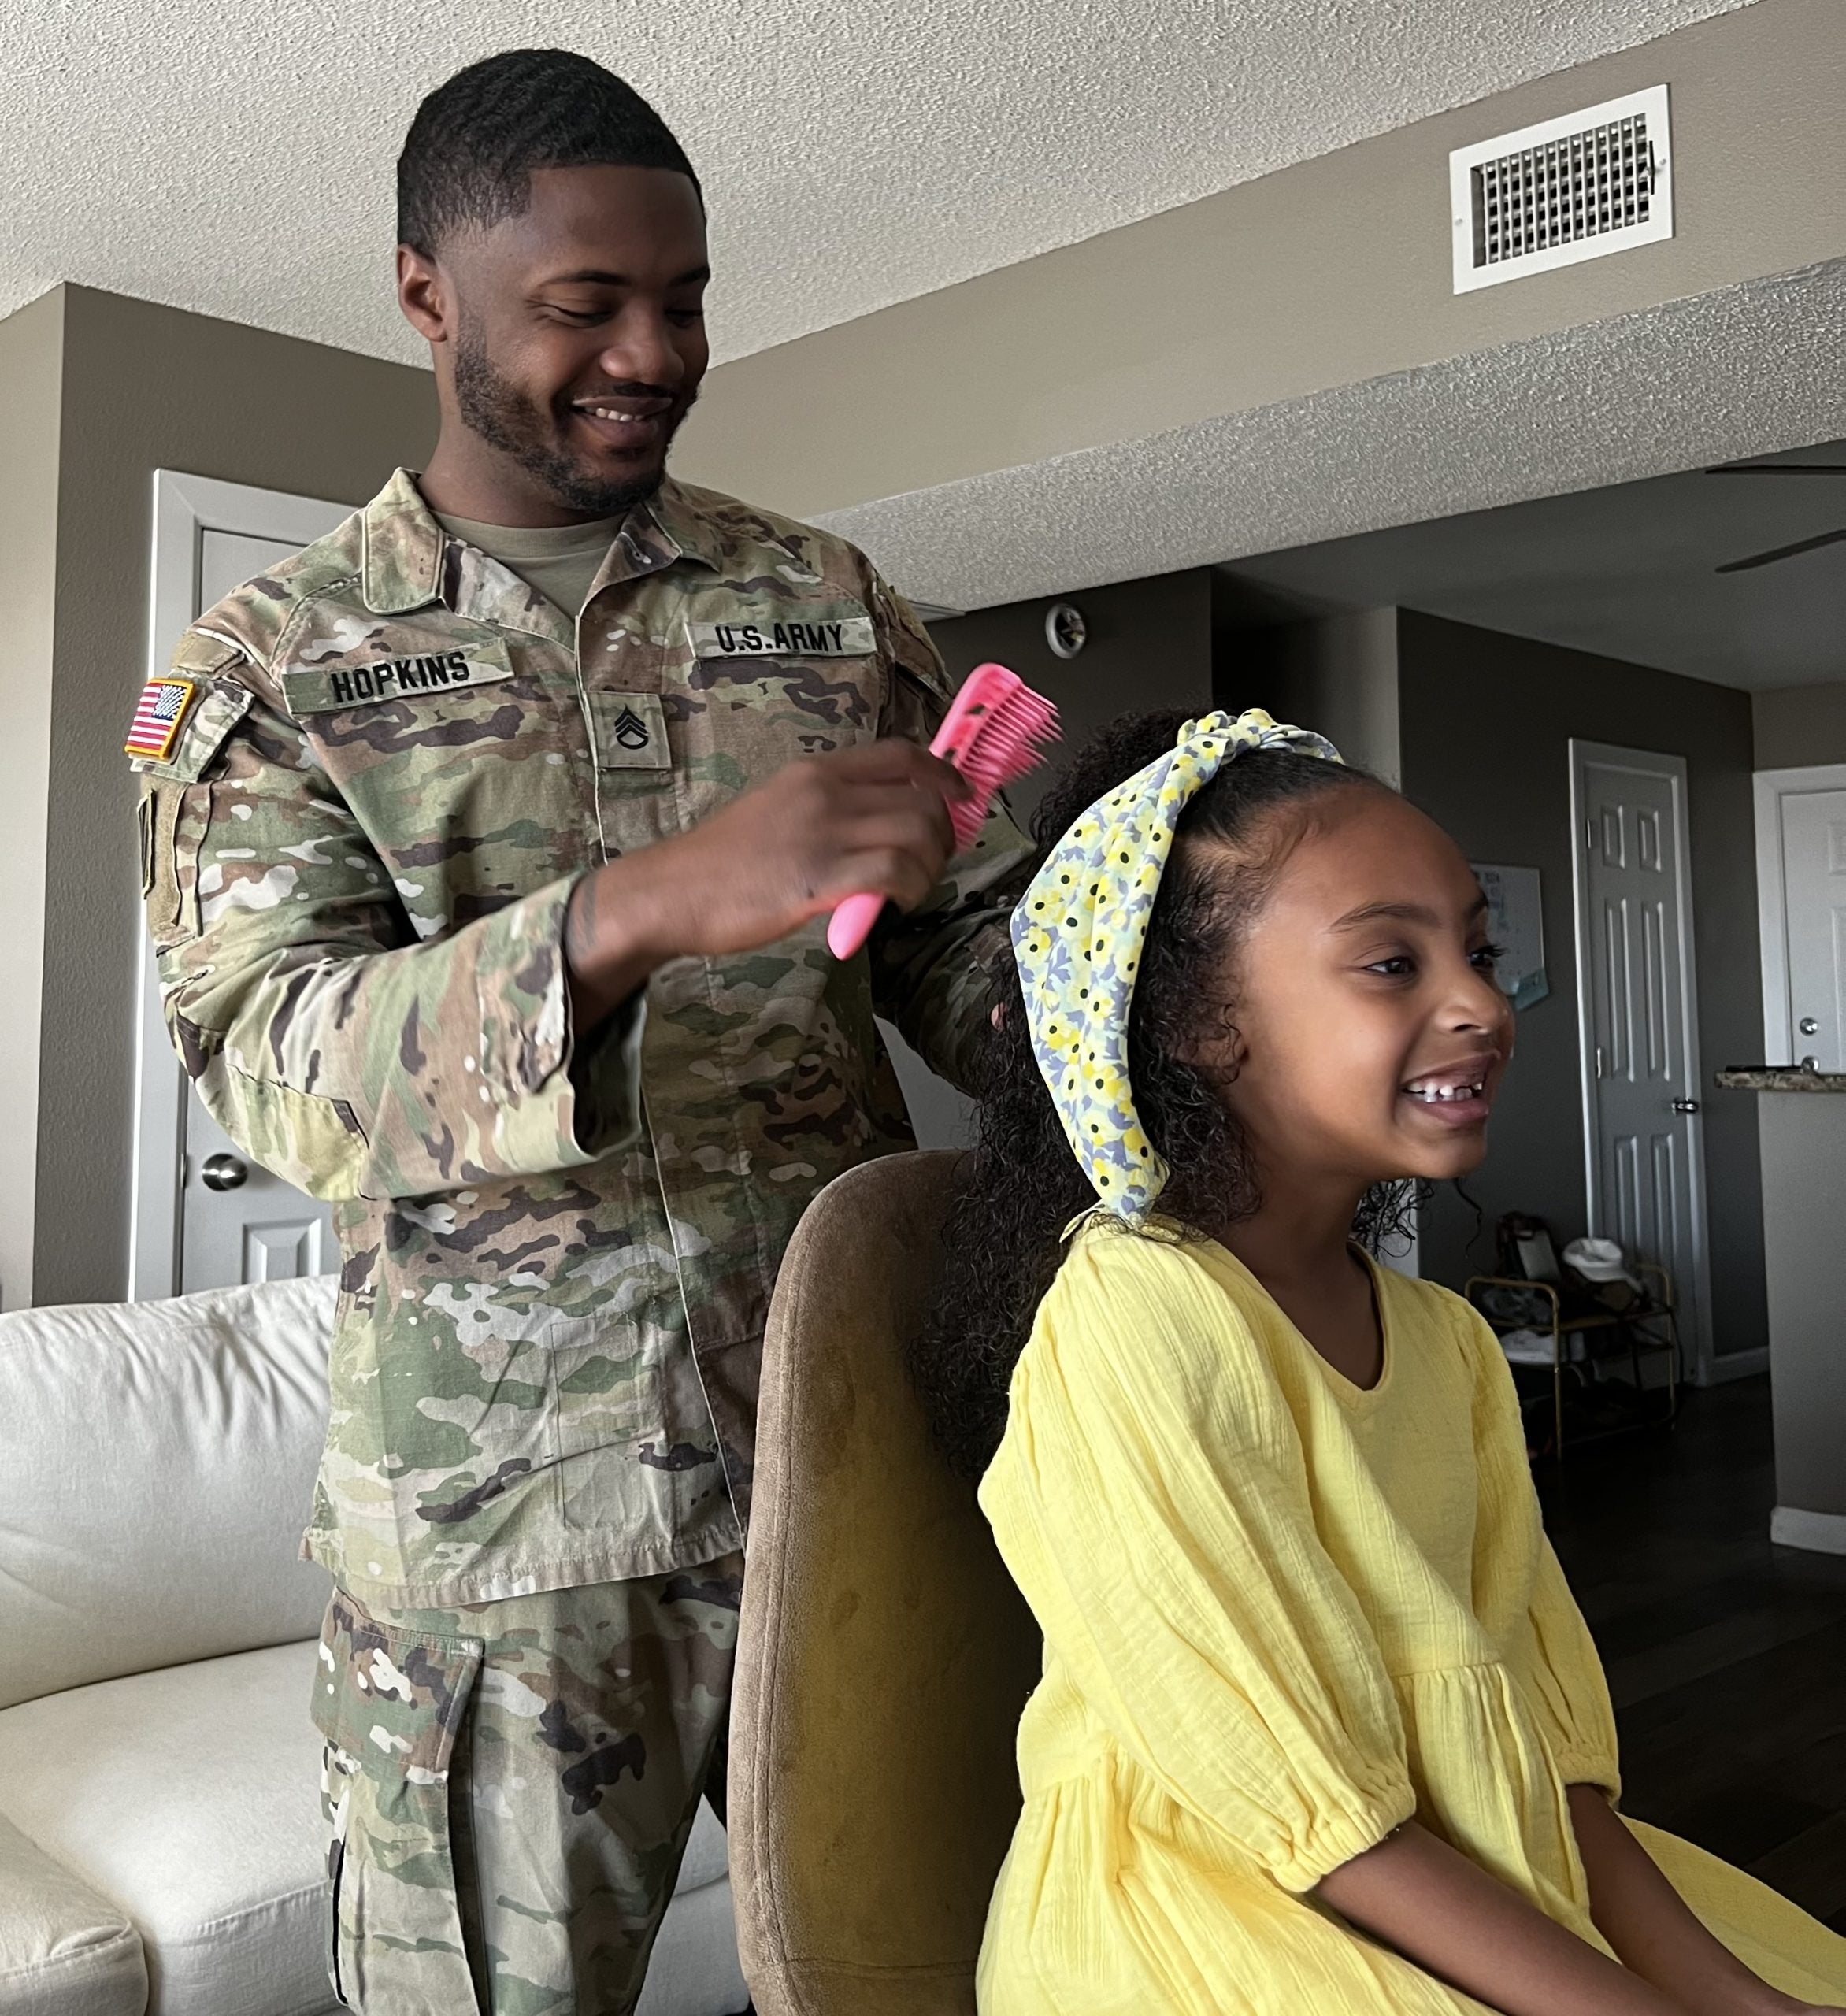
(240, 163)
(1629, 571)
(1747, 370)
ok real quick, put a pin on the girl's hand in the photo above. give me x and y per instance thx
(1652, 1929)
(1416, 1894)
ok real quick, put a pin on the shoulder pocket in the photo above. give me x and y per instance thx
(210, 706)
(390, 1703)
(173, 817)
(208, 720)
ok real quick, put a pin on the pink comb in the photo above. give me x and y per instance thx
(993, 734)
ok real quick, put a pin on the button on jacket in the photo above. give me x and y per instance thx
(396, 758)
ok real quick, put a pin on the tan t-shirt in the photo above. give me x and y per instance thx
(560, 561)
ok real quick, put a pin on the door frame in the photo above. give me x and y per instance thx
(1771, 786)
(1703, 1367)
(185, 506)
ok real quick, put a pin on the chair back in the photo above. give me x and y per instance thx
(885, 1655)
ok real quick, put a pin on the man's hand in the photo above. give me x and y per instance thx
(873, 817)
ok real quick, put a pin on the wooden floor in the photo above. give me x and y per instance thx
(1726, 1656)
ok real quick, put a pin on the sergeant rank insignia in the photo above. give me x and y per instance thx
(156, 726)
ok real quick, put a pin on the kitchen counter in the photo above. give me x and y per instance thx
(1778, 1078)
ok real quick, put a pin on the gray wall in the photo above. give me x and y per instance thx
(1337, 674)
(1331, 272)
(32, 348)
(1797, 725)
(212, 399)
(1149, 647)
(1486, 723)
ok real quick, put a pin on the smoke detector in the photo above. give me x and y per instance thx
(1574, 188)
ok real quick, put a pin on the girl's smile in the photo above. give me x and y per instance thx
(1458, 1094)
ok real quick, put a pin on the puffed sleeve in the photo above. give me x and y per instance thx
(1520, 1589)
(1151, 1499)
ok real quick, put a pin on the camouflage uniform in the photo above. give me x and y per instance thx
(394, 761)
(509, 1787)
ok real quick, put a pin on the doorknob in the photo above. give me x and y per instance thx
(224, 1172)
(1679, 1106)
(1808, 1026)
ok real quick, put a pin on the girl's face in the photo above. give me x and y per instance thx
(1371, 1034)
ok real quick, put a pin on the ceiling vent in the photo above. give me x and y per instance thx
(1573, 188)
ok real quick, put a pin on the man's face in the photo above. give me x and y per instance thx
(574, 332)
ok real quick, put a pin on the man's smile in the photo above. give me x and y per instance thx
(631, 423)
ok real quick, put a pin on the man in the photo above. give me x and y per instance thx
(488, 845)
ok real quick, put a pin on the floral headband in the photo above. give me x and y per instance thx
(1078, 934)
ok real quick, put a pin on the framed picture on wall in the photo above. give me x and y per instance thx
(1516, 922)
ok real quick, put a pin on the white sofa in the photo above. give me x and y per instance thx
(160, 1828)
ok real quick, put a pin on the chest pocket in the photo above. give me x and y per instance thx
(766, 683)
(463, 756)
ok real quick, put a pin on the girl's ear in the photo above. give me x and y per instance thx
(1218, 1050)
(1230, 1054)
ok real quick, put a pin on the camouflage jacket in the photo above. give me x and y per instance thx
(392, 761)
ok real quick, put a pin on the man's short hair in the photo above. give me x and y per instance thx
(469, 157)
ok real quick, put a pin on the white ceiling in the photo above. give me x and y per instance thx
(239, 162)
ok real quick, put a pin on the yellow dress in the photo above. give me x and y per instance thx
(1282, 1614)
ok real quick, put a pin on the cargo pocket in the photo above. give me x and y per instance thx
(389, 1703)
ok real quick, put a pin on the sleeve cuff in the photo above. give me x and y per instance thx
(557, 1104)
(1334, 1839)
(606, 1075)
(1591, 1767)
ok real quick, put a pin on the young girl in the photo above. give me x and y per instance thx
(1321, 1729)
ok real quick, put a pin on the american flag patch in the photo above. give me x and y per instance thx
(156, 726)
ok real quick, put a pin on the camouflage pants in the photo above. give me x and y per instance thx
(508, 1787)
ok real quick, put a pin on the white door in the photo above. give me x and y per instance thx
(1644, 1143)
(1804, 1015)
(205, 1215)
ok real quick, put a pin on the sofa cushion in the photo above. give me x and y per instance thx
(705, 1859)
(189, 1799)
(695, 1969)
(157, 1460)
(64, 1951)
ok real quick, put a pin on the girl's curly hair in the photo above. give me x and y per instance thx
(1020, 1187)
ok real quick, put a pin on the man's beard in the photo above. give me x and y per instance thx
(492, 406)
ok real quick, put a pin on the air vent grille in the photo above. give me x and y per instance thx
(1598, 181)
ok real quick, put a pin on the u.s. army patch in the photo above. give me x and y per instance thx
(821, 635)
(318, 689)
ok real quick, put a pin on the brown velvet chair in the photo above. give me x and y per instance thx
(885, 1654)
